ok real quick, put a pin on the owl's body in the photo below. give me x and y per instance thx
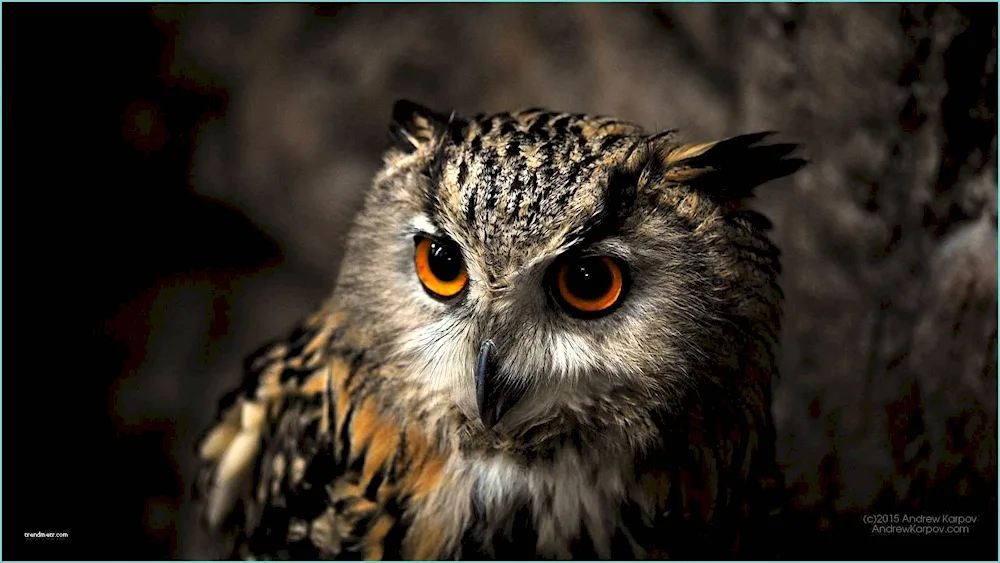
(484, 406)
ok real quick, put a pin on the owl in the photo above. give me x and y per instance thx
(552, 336)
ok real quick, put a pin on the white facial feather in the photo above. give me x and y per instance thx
(422, 224)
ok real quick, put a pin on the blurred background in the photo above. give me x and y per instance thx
(179, 180)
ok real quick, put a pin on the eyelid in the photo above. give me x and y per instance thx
(609, 247)
(440, 239)
(436, 235)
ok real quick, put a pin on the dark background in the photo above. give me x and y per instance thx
(179, 180)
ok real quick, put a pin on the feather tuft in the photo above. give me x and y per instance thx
(730, 169)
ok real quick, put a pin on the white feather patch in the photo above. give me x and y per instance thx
(230, 476)
(422, 224)
(252, 416)
(238, 457)
(220, 502)
(217, 441)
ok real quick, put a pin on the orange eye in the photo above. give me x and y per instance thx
(440, 267)
(591, 284)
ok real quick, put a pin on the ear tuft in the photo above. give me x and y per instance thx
(414, 126)
(730, 169)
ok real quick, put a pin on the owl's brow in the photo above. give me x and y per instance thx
(617, 206)
(452, 134)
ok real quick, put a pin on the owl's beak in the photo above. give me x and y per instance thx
(494, 399)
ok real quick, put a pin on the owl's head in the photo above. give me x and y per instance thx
(533, 273)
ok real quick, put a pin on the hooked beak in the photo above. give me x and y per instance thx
(494, 397)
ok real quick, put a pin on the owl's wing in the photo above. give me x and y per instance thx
(281, 475)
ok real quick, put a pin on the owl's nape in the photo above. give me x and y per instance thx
(551, 337)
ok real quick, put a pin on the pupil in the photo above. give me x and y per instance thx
(589, 279)
(444, 262)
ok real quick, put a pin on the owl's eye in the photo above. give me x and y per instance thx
(590, 285)
(440, 267)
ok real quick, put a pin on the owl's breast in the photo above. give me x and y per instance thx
(564, 507)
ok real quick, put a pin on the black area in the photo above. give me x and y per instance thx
(96, 157)
(445, 261)
(850, 538)
(968, 113)
(588, 279)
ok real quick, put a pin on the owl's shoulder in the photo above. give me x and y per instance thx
(290, 372)
(302, 462)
